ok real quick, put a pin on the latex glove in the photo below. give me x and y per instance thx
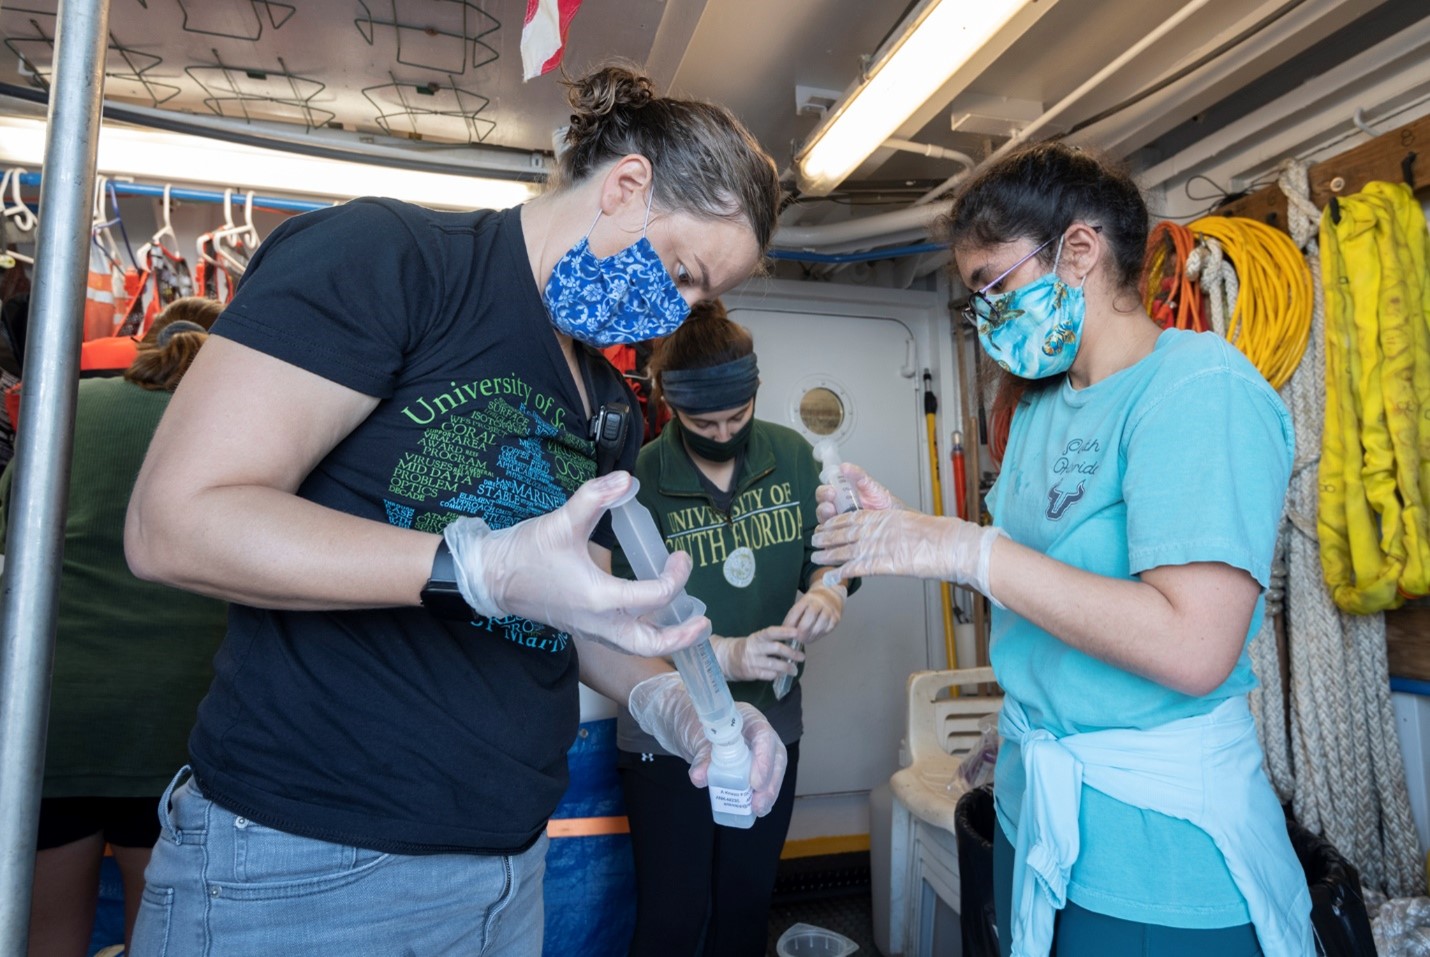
(763, 656)
(817, 611)
(662, 707)
(907, 543)
(541, 569)
(872, 495)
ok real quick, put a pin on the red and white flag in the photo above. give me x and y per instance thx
(543, 35)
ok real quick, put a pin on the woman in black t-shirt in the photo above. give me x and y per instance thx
(382, 459)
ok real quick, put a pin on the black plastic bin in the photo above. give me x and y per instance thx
(973, 824)
(1338, 911)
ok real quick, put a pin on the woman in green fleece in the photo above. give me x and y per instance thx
(737, 494)
(132, 658)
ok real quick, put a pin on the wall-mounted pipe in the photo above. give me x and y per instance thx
(928, 149)
(1093, 82)
(866, 229)
(894, 252)
(122, 188)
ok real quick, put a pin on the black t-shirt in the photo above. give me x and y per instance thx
(389, 728)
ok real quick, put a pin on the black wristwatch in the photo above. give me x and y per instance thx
(440, 595)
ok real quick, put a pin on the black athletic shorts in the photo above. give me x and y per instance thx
(124, 821)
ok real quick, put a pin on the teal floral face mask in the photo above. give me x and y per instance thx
(1033, 332)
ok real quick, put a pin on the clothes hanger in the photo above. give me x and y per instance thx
(244, 238)
(229, 241)
(8, 258)
(99, 230)
(167, 227)
(13, 207)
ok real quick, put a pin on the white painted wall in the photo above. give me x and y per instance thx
(871, 347)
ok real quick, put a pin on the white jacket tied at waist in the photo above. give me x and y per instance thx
(1204, 769)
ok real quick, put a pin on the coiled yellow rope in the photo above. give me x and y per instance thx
(1271, 321)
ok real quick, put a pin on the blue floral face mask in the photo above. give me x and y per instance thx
(1033, 331)
(627, 297)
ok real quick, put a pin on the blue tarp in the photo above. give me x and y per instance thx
(590, 881)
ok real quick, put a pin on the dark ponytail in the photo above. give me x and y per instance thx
(173, 340)
(1038, 191)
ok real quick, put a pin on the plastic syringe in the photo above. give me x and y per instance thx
(731, 798)
(827, 452)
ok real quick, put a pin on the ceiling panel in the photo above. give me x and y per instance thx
(448, 71)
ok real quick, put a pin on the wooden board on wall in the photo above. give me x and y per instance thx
(1265, 205)
(1407, 640)
(1382, 158)
(1379, 159)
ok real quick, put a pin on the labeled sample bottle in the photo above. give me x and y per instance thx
(731, 797)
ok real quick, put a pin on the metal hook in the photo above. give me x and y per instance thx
(1407, 169)
(1358, 118)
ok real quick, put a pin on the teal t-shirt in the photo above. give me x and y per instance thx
(1182, 457)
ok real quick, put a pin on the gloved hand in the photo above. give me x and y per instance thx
(541, 569)
(906, 542)
(817, 611)
(763, 656)
(662, 707)
(872, 495)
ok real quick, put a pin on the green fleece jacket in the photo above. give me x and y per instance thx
(132, 658)
(750, 564)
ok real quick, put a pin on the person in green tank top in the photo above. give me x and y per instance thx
(736, 493)
(132, 658)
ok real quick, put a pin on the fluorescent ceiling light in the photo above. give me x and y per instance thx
(939, 39)
(182, 159)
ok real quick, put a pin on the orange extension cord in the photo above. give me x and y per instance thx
(1170, 297)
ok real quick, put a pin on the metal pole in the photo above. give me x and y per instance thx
(41, 488)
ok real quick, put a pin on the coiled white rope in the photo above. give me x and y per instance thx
(1401, 927)
(1268, 698)
(1348, 782)
(1207, 263)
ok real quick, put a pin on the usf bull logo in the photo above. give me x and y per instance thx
(1060, 501)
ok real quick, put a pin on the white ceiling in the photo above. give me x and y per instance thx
(449, 71)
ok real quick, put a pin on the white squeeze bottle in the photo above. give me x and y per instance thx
(731, 797)
(827, 453)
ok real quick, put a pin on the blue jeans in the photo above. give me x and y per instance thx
(220, 885)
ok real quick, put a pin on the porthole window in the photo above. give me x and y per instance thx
(821, 410)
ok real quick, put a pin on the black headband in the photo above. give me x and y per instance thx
(712, 388)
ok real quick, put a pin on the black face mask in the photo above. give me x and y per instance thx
(712, 450)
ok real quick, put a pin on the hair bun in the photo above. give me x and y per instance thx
(601, 97)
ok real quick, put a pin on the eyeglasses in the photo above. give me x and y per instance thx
(980, 307)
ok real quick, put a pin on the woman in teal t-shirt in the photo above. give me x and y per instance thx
(1138, 505)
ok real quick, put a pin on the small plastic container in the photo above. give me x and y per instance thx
(806, 940)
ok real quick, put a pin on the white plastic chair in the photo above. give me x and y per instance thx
(941, 731)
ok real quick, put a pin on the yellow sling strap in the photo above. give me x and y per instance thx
(1375, 451)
